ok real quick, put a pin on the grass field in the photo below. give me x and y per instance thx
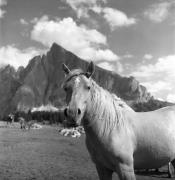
(45, 155)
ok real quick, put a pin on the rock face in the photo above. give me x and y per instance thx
(40, 82)
(9, 83)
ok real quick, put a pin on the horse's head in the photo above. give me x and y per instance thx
(77, 86)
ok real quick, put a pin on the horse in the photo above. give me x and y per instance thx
(22, 122)
(25, 124)
(118, 139)
(9, 119)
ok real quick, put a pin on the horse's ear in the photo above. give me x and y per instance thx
(65, 69)
(90, 69)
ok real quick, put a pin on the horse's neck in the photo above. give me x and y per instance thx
(102, 114)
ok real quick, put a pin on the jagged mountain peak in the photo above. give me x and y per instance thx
(8, 69)
(40, 82)
(56, 47)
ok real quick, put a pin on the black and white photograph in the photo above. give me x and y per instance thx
(87, 89)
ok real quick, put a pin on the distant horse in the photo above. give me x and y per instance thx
(118, 138)
(22, 122)
(25, 124)
(9, 119)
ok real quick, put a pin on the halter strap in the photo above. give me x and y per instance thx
(82, 73)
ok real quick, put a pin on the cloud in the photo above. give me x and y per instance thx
(2, 12)
(116, 67)
(107, 66)
(158, 12)
(81, 7)
(16, 57)
(97, 9)
(171, 98)
(159, 78)
(148, 56)
(84, 42)
(117, 18)
(106, 54)
(155, 87)
(3, 2)
(164, 65)
(23, 21)
(114, 17)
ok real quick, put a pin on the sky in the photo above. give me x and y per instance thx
(130, 37)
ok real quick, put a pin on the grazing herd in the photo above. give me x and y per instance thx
(25, 123)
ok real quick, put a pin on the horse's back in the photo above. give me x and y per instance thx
(155, 137)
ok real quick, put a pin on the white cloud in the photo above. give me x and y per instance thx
(158, 12)
(116, 67)
(23, 21)
(165, 66)
(2, 12)
(107, 66)
(117, 18)
(16, 57)
(81, 7)
(148, 56)
(65, 31)
(3, 2)
(97, 9)
(106, 55)
(114, 17)
(171, 98)
(155, 87)
(84, 42)
(159, 78)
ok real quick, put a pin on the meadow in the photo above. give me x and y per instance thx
(43, 154)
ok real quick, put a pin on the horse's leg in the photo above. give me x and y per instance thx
(125, 172)
(171, 169)
(157, 170)
(29, 126)
(104, 173)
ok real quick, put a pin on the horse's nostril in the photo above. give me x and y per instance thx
(65, 112)
(79, 111)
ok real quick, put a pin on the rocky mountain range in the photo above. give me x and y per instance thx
(40, 82)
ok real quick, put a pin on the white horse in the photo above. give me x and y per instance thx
(118, 138)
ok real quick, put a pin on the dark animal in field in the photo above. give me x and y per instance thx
(9, 119)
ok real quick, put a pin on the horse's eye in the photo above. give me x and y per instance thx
(65, 89)
(88, 87)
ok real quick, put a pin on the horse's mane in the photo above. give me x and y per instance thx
(106, 107)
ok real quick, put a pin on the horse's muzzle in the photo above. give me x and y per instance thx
(72, 113)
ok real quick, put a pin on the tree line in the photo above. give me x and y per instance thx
(45, 117)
